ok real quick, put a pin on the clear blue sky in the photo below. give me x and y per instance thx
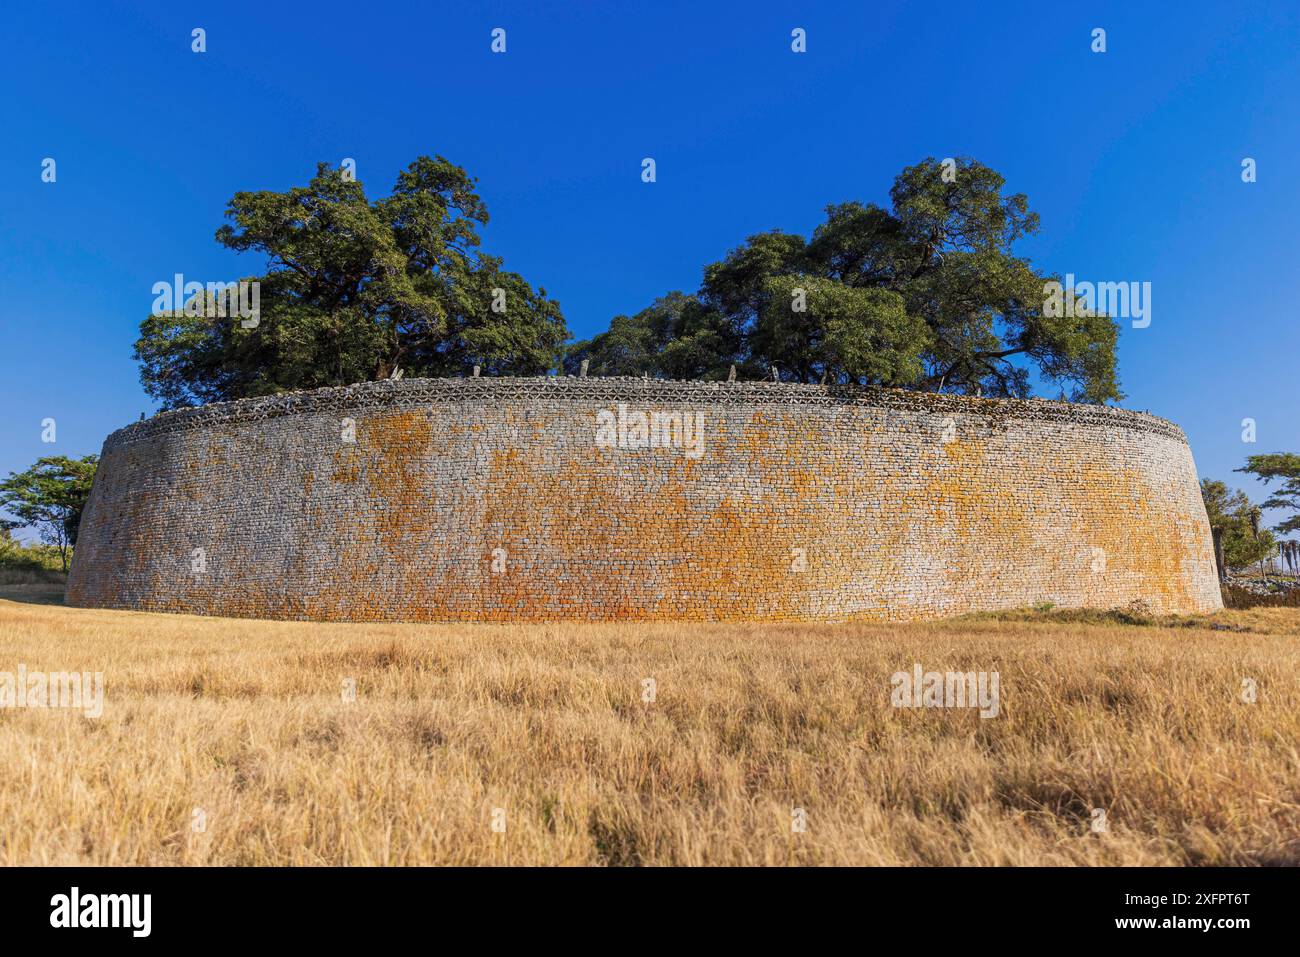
(1132, 158)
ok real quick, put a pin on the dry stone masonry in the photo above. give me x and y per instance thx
(571, 498)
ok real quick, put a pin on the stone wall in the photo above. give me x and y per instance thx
(532, 499)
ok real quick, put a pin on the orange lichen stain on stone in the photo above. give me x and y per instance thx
(1139, 544)
(597, 524)
(401, 442)
(398, 481)
(347, 465)
(975, 531)
(229, 581)
(958, 495)
(807, 525)
(369, 529)
(406, 522)
(543, 520)
(741, 553)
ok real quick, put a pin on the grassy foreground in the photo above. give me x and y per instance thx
(543, 729)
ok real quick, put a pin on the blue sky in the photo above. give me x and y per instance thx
(1131, 157)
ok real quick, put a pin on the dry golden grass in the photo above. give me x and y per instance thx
(245, 720)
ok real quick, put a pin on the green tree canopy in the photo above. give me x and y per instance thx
(1286, 467)
(1244, 543)
(676, 337)
(356, 289)
(926, 294)
(50, 497)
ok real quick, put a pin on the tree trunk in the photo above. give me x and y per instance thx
(1217, 533)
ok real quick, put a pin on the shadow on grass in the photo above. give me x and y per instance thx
(1134, 615)
(32, 586)
(32, 594)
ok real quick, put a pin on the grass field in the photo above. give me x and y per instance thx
(230, 742)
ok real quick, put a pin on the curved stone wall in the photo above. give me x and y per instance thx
(561, 498)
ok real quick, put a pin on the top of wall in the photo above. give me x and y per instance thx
(413, 393)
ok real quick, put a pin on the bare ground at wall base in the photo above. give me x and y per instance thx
(241, 725)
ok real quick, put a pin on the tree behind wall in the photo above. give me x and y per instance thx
(1285, 468)
(1235, 516)
(49, 497)
(356, 289)
(926, 294)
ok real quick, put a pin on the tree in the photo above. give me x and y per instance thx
(1232, 512)
(926, 294)
(1286, 467)
(356, 289)
(844, 333)
(676, 337)
(50, 497)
